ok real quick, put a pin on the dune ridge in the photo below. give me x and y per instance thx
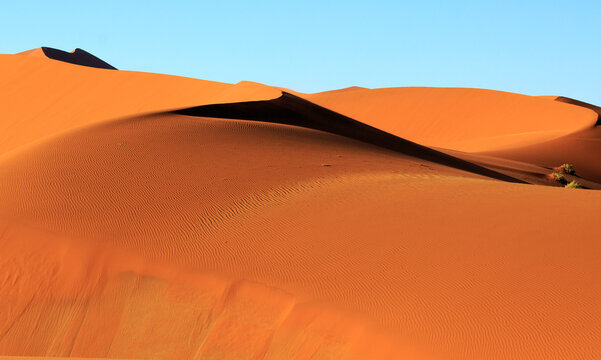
(75, 57)
(292, 110)
(583, 104)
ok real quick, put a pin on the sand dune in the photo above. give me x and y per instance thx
(580, 148)
(43, 97)
(457, 118)
(151, 216)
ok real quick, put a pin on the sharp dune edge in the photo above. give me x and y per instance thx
(154, 216)
(77, 57)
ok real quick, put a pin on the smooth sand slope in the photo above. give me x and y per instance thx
(581, 148)
(42, 97)
(458, 118)
(177, 235)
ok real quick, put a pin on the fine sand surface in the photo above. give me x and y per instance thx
(276, 228)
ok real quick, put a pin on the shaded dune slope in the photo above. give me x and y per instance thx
(77, 57)
(292, 110)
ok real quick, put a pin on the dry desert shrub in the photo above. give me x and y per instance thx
(565, 169)
(573, 185)
(559, 177)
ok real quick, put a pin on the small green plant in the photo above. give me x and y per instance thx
(567, 169)
(559, 177)
(573, 185)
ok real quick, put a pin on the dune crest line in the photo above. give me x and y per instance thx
(292, 110)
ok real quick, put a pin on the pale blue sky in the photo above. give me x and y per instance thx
(532, 47)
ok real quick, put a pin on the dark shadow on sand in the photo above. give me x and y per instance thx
(77, 57)
(293, 110)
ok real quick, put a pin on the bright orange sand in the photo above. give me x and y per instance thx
(128, 231)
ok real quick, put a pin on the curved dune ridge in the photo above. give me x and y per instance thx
(595, 108)
(581, 148)
(153, 216)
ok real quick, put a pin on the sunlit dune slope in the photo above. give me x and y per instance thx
(421, 249)
(42, 97)
(595, 108)
(162, 203)
(458, 118)
(581, 148)
(161, 155)
(38, 52)
(67, 298)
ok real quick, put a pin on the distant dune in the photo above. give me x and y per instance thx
(461, 119)
(154, 216)
(77, 57)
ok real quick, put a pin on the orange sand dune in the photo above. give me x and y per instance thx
(595, 108)
(457, 118)
(278, 229)
(42, 97)
(581, 148)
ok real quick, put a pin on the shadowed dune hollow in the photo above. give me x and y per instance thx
(152, 216)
